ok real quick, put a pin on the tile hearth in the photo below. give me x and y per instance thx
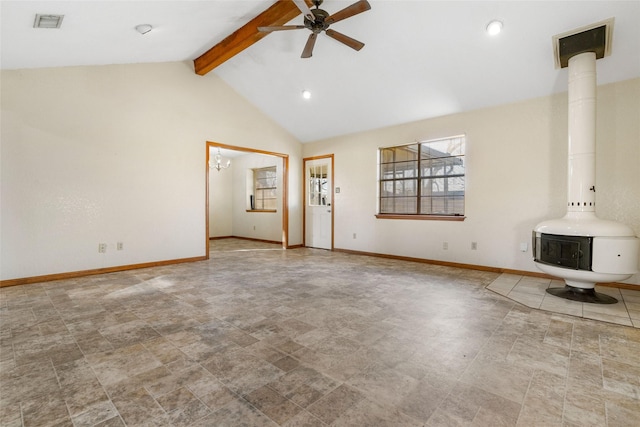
(258, 336)
(531, 291)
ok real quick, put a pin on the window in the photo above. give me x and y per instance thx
(424, 178)
(318, 185)
(264, 189)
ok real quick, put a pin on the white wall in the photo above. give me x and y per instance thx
(516, 177)
(228, 200)
(255, 225)
(117, 154)
(221, 202)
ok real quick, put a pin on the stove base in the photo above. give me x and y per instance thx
(582, 295)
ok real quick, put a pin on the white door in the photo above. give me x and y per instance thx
(318, 203)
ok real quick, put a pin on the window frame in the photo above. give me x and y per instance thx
(256, 190)
(419, 179)
(318, 191)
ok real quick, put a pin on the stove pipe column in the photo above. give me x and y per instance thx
(582, 134)
(581, 248)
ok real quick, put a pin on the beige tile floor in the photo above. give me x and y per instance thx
(531, 291)
(258, 336)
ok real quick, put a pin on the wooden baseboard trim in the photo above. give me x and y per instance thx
(93, 272)
(480, 267)
(620, 286)
(277, 242)
(256, 240)
(83, 273)
(422, 260)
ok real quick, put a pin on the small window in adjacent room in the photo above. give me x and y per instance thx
(423, 180)
(265, 187)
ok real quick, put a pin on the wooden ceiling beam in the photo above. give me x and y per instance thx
(279, 13)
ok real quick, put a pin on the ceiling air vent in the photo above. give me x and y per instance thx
(592, 38)
(48, 21)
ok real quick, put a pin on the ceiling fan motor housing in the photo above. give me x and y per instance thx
(318, 21)
(318, 24)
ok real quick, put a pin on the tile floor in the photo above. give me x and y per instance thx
(258, 336)
(531, 291)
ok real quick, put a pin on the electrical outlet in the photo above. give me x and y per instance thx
(354, 235)
(474, 246)
(102, 248)
(445, 245)
(120, 246)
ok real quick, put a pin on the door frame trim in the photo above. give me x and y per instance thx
(304, 195)
(285, 187)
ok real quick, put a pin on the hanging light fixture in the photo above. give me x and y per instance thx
(217, 164)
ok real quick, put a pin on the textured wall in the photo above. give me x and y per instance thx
(515, 178)
(113, 154)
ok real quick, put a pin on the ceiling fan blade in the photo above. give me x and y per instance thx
(280, 28)
(354, 9)
(308, 48)
(352, 43)
(302, 5)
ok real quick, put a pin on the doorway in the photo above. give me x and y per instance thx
(318, 202)
(285, 185)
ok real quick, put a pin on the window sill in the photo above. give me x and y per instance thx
(262, 210)
(423, 217)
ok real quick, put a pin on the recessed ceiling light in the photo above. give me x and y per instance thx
(48, 21)
(143, 28)
(494, 27)
(306, 94)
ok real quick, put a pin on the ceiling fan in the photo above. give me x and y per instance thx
(318, 20)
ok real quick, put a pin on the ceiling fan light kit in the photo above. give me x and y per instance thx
(318, 20)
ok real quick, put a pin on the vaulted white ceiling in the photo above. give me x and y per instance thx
(421, 59)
